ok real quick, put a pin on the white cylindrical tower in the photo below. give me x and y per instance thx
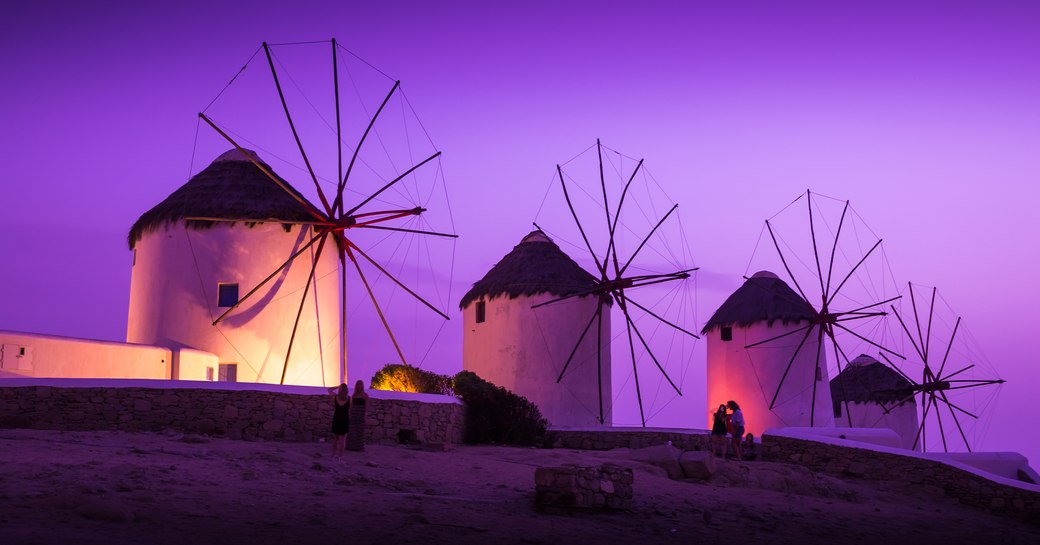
(877, 397)
(524, 350)
(187, 272)
(763, 308)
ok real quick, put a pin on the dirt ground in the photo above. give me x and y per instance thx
(112, 487)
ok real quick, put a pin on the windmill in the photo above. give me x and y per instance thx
(943, 378)
(631, 240)
(839, 283)
(382, 207)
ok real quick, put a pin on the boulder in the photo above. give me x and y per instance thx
(663, 456)
(698, 464)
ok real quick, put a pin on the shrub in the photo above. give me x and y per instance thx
(496, 415)
(405, 378)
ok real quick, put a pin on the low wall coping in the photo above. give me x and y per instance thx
(804, 435)
(160, 384)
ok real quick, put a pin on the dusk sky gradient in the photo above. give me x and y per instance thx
(924, 114)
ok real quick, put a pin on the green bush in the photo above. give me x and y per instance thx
(496, 415)
(405, 378)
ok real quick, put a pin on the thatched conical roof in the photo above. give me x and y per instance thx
(763, 298)
(536, 265)
(868, 380)
(231, 187)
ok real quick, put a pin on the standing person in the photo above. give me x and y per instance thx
(340, 419)
(718, 432)
(737, 421)
(358, 401)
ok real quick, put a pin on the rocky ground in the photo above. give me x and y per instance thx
(112, 487)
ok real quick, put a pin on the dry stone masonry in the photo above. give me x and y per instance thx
(966, 487)
(609, 439)
(605, 487)
(236, 414)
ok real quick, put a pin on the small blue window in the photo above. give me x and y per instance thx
(227, 295)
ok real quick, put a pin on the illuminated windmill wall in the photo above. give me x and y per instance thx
(520, 348)
(875, 396)
(752, 345)
(381, 231)
(187, 272)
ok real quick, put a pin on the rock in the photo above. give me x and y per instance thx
(107, 511)
(663, 456)
(698, 464)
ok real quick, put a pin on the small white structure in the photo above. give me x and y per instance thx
(35, 355)
(524, 350)
(764, 308)
(877, 397)
(187, 272)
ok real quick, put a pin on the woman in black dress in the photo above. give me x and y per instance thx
(718, 432)
(340, 419)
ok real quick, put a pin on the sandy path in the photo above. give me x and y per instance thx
(111, 487)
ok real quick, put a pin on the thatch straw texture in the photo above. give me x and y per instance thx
(762, 298)
(231, 187)
(536, 265)
(868, 380)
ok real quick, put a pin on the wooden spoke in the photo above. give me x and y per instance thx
(599, 358)
(577, 345)
(834, 250)
(838, 354)
(649, 351)
(635, 370)
(353, 158)
(816, 371)
(816, 253)
(783, 260)
(315, 238)
(303, 301)
(613, 227)
(950, 345)
(870, 342)
(395, 280)
(296, 135)
(567, 197)
(913, 342)
(347, 248)
(846, 279)
(643, 243)
(391, 183)
(666, 322)
(781, 336)
(787, 370)
(403, 230)
(306, 205)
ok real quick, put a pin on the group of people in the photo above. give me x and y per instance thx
(727, 429)
(342, 401)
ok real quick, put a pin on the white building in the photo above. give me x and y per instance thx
(764, 308)
(524, 350)
(876, 396)
(188, 272)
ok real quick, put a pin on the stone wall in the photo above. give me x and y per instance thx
(236, 414)
(605, 487)
(611, 438)
(847, 461)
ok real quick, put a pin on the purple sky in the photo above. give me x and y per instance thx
(924, 115)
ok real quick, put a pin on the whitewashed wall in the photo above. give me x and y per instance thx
(750, 377)
(53, 356)
(524, 349)
(173, 299)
